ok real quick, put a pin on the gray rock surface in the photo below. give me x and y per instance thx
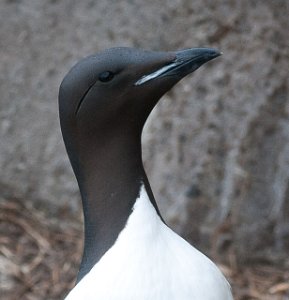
(216, 148)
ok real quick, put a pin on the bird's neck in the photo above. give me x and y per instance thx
(110, 178)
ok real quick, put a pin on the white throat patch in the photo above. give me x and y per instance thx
(150, 262)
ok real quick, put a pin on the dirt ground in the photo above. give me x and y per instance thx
(39, 259)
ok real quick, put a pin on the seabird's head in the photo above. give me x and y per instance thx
(114, 91)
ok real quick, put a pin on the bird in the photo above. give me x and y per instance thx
(129, 251)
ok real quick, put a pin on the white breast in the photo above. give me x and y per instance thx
(151, 262)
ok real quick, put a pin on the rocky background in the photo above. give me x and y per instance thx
(216, 148)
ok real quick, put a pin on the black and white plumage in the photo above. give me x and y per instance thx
(129, 252)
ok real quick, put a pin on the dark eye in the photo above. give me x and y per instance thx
(105, 76)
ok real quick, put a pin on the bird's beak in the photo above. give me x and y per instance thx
(184, 63)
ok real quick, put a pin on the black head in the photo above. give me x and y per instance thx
(113, 92)
(100, 91)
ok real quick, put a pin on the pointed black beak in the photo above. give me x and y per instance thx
(187, 61)
(184, 63)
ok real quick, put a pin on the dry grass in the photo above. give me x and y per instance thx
(39, 257)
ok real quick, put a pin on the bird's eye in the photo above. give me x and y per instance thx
(105, 76)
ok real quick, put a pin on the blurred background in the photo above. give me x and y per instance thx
(216, 148)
